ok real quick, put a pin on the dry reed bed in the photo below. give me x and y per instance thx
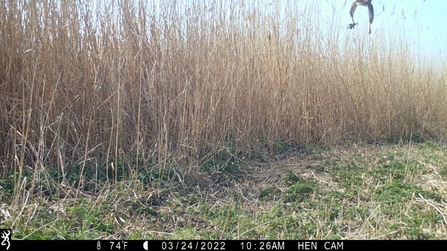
(85, 85)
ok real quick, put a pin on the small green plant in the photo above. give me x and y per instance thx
(300, 191)
(291, 178)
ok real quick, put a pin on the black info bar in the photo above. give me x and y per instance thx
(216, 245)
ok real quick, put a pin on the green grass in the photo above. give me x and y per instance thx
(161, 119)
(361, 192)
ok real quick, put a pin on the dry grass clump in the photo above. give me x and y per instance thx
(98, 85)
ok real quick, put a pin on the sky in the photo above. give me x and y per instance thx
(422, 21)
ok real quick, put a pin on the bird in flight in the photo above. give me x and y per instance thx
(366, 3)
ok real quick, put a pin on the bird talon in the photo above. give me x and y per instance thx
(351, 26)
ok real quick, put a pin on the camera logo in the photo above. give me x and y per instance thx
(5, 235)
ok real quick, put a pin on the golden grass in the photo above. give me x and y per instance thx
(91, 86)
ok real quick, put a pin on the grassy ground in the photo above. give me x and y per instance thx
(205, 119)
(356, 192)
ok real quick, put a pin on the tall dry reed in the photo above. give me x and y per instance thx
(88, 84)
